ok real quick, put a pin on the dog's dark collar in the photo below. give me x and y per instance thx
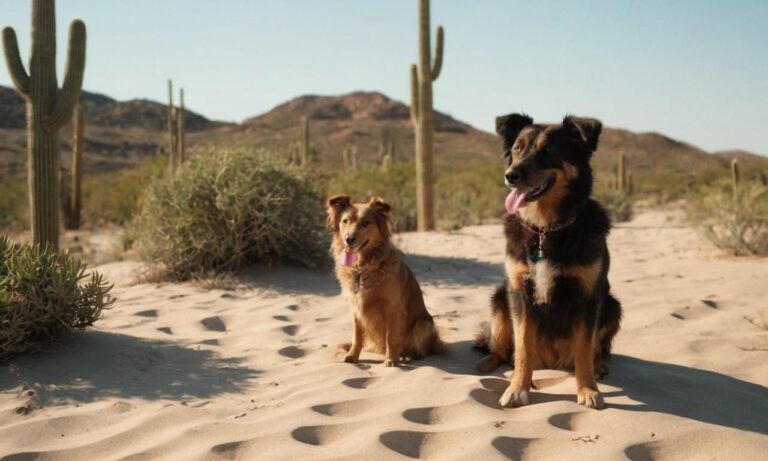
(535, 246)
(555, 227)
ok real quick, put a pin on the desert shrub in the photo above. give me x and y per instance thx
(736, 223)
(43, 296)
(222, 210)
(13, 204)
(398, 186)
(470, 197)
(618, 205)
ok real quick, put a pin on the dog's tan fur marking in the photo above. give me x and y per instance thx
(587, 275)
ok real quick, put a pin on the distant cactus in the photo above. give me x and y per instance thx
(422, 77)
(65, 194)
(181, 127)
(171, 129)
(304, 146)
(48, 110)
(353, 159)
(735, 177)
(345, 160)
(621, 174)
(386, 163)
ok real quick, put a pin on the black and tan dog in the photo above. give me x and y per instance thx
(555, 309)
(388, 308)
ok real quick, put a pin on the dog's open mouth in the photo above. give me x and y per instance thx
(519, 198)
(537, 192)
(350, 254)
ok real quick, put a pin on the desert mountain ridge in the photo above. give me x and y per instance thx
(121, 133)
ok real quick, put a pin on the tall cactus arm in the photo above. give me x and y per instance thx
(13, 61)
(437, 63)
(414, 93)
(69, 94)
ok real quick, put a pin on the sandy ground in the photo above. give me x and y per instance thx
(183, 372)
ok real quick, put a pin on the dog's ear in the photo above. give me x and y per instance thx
(383, 209)
(585, 129)
(336, 205)
(509, 126)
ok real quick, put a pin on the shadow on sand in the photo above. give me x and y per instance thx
(441, 270)
(94, 365)
(322, 282)
(692, 393)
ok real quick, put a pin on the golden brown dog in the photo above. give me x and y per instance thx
(388, 308)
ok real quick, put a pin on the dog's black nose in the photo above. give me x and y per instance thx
(350, 239)
(513, 177)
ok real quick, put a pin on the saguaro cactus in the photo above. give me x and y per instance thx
(75, 203)
(422, 76)
(735, 177)
(49, 108)
(345, 161)
(386, 162)
(171, 128)
(621, 174)
(304, 150)
(181, 147)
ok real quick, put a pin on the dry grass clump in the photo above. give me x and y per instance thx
(619, 205)
(735, 222)
(224, 210)
(44, 296)
(397, 186)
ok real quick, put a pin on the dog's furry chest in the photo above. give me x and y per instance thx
(542, 277)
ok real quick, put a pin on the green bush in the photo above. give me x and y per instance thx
(222, 210)
(619, 206)
(736, 223)
(43, 296)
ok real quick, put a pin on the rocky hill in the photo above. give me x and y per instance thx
(121, 133)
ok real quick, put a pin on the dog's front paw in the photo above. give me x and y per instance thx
(590, 398)
(350, 358)
(514, 396)
(389, 363)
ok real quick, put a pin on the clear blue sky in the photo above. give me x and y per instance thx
(694, 70)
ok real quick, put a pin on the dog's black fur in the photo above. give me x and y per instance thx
(577, 310)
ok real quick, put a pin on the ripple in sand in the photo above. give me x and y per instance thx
(292, 307)
(166, 330)
(323, 434)
(227, 450)
(147, 313)
(282, 318)
(360, 383)
(214, 324)
(292, 352)
(406, 443)
(563, 420)
(290, 330)
(345, 408)
(511, 447)
(643, 451)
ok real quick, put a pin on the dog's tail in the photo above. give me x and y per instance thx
(483, 339)
(424, 340)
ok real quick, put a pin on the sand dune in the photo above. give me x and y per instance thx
(183, 372)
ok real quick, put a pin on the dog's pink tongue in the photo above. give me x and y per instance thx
(349, 258)
(515, 200)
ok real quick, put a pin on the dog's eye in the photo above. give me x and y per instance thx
(345, 221)
(365, 223)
